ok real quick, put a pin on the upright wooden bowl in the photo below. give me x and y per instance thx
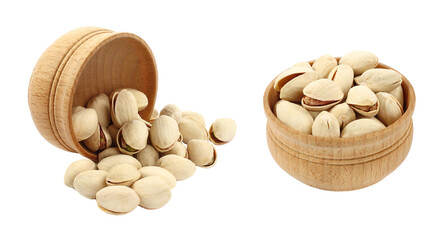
(340, 164)
(79, 65)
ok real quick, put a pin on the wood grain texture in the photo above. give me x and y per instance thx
(80, 65)
(340, 164)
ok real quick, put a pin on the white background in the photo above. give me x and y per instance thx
(217, 59)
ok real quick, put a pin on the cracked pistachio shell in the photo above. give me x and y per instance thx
(148, 156)
(191, 128)
(173, 111)
(324, 64)
(141, 99)
(123, 108)
(117, 200)
(164, 133)
(222, 131)
(108, 152)
(160, 172)
(321, 95)
(100, 140)
(89, 182)
(292, 91)
(180, 167)
(380, 80)
(398, 93)
(77, 167)
(362, 126)
(289, 74)
(326, 125)
(101, 104)
(132, 137)
(363, 100)
(344, 113)
(107, 163)
(178, 149)
(202, 153)
(360, 61)
(196, 115)
(122, 174)
(343, 76)
(302, 64)
(84, 123)
(294, 116)
(113, 130)
(390, 109)
(153, 192)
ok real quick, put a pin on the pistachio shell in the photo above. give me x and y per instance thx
(107, 163)
(101, 104)
(344, 113)
(190, 128)
(360, 61)
(77, 167)
(108, 152)
(178, 149)
(153, 192)
(123, 108)
(180, 167)
(173, 111)
(148, 156)
(161, 172)
(294, 116)
(202, 153)
(100, 140)
(141, 99)
(117, 200)
(164, 133)
(196, 116)
(363, 100)
(324, 64)
(89, 182)
(122, 174)
(326, 125)
(398, 93)
(292, 91)
(343, 76)
(362, 126)
(302, 64)
(287, 75)
(222, 131)
(321, 95)
(390, 109)
(132, 137)
(380, 80)
(113, 130)
(84, 123)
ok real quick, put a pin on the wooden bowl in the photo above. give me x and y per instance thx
(340, 164)
(79, 65)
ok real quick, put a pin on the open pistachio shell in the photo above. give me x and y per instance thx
(101, 104)
(289, 74)
(132, 137)
(196, 115)
(363, 100)
(321, 95)
(100, 140)
(326, 125)
(89, 182)
(141, 99)
(344, 113)
(191, 128)
(324, 64)
(123, 108)
(77, 167)
(390, 109)
(85, 123)
(178, 149)
(108, 152)
(292, 91)
(148, 156)
(122, 174)
(202, 153)
(164, 133)
(180, 167)
(161, 172)
(222, 131)
(294, 116)
(343, 76)
(107, 163)
(398, 93)
(360, 61)
(153, 192)
(117, 200)
(380, 80)
(173, 111)
(362, 126)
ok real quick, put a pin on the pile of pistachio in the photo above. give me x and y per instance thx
(345, 99)
(139, 161)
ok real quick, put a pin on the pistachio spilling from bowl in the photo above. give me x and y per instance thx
(346, 100)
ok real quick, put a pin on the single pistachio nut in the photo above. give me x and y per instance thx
(294, 116)
(84, 123)
(164, 133)
(191, 128)
(380, 80)
(77, 167)
(324, 64)
(196, 116)
(99, 141)
(360, 61)
(326, 125)
(292, 91)
(141, 99)
(180, 167)
(161, 172)
(77, 109)
(202, 153)
(122, 174)
(117, 200)
(108, 152)
(123, 108)
(89, 182)
(101, 104)
(398, 93)
(363, 100)
(113, 130)
(302, 64)
(222, 131)
(362, 126)
(344, 113)
(390, 109)
(343, 76)
(173, 111)
(153, 192)
(107, 163)
(132, 137)
(321, 95)
(148, 156)
(178, 149)
(286, 76)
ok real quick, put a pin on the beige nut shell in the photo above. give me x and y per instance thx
(180, 167)
(148, 156)
(294, 116)
(362, 126)
(161, 172)
(153, 192)
(107, 163)
(360, 61)
(77, 167)
(202, 153)
(222, 131)
(89, 182)
(117, 200)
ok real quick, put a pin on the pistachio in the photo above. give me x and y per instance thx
(161, 172)
(141, 99)
(180, 167)
(321, 95)
(343, 113)
(148, 156)
(324, 64)
(294, 116)
(113, 130)
(107, 163)
(84, 123)
(117, 200)
(343, 76)
(363, 101)
(153, 192)
(122, 174)
(132, 137)
(108, 152)
(360, 61)
(398, 93)
(123, 108)
(173, 111)
(288, 75)
(380, 80)
(164, 133)
(191, 128)
(101, 104)
(361, 126)
(178, 149)
(326, 125)
(202, 153)
(196, 116)
(390, 109)
(77, 167)
(89, 182)
(222, 131)
(100, 140)
(302, 64)
(292, 91)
